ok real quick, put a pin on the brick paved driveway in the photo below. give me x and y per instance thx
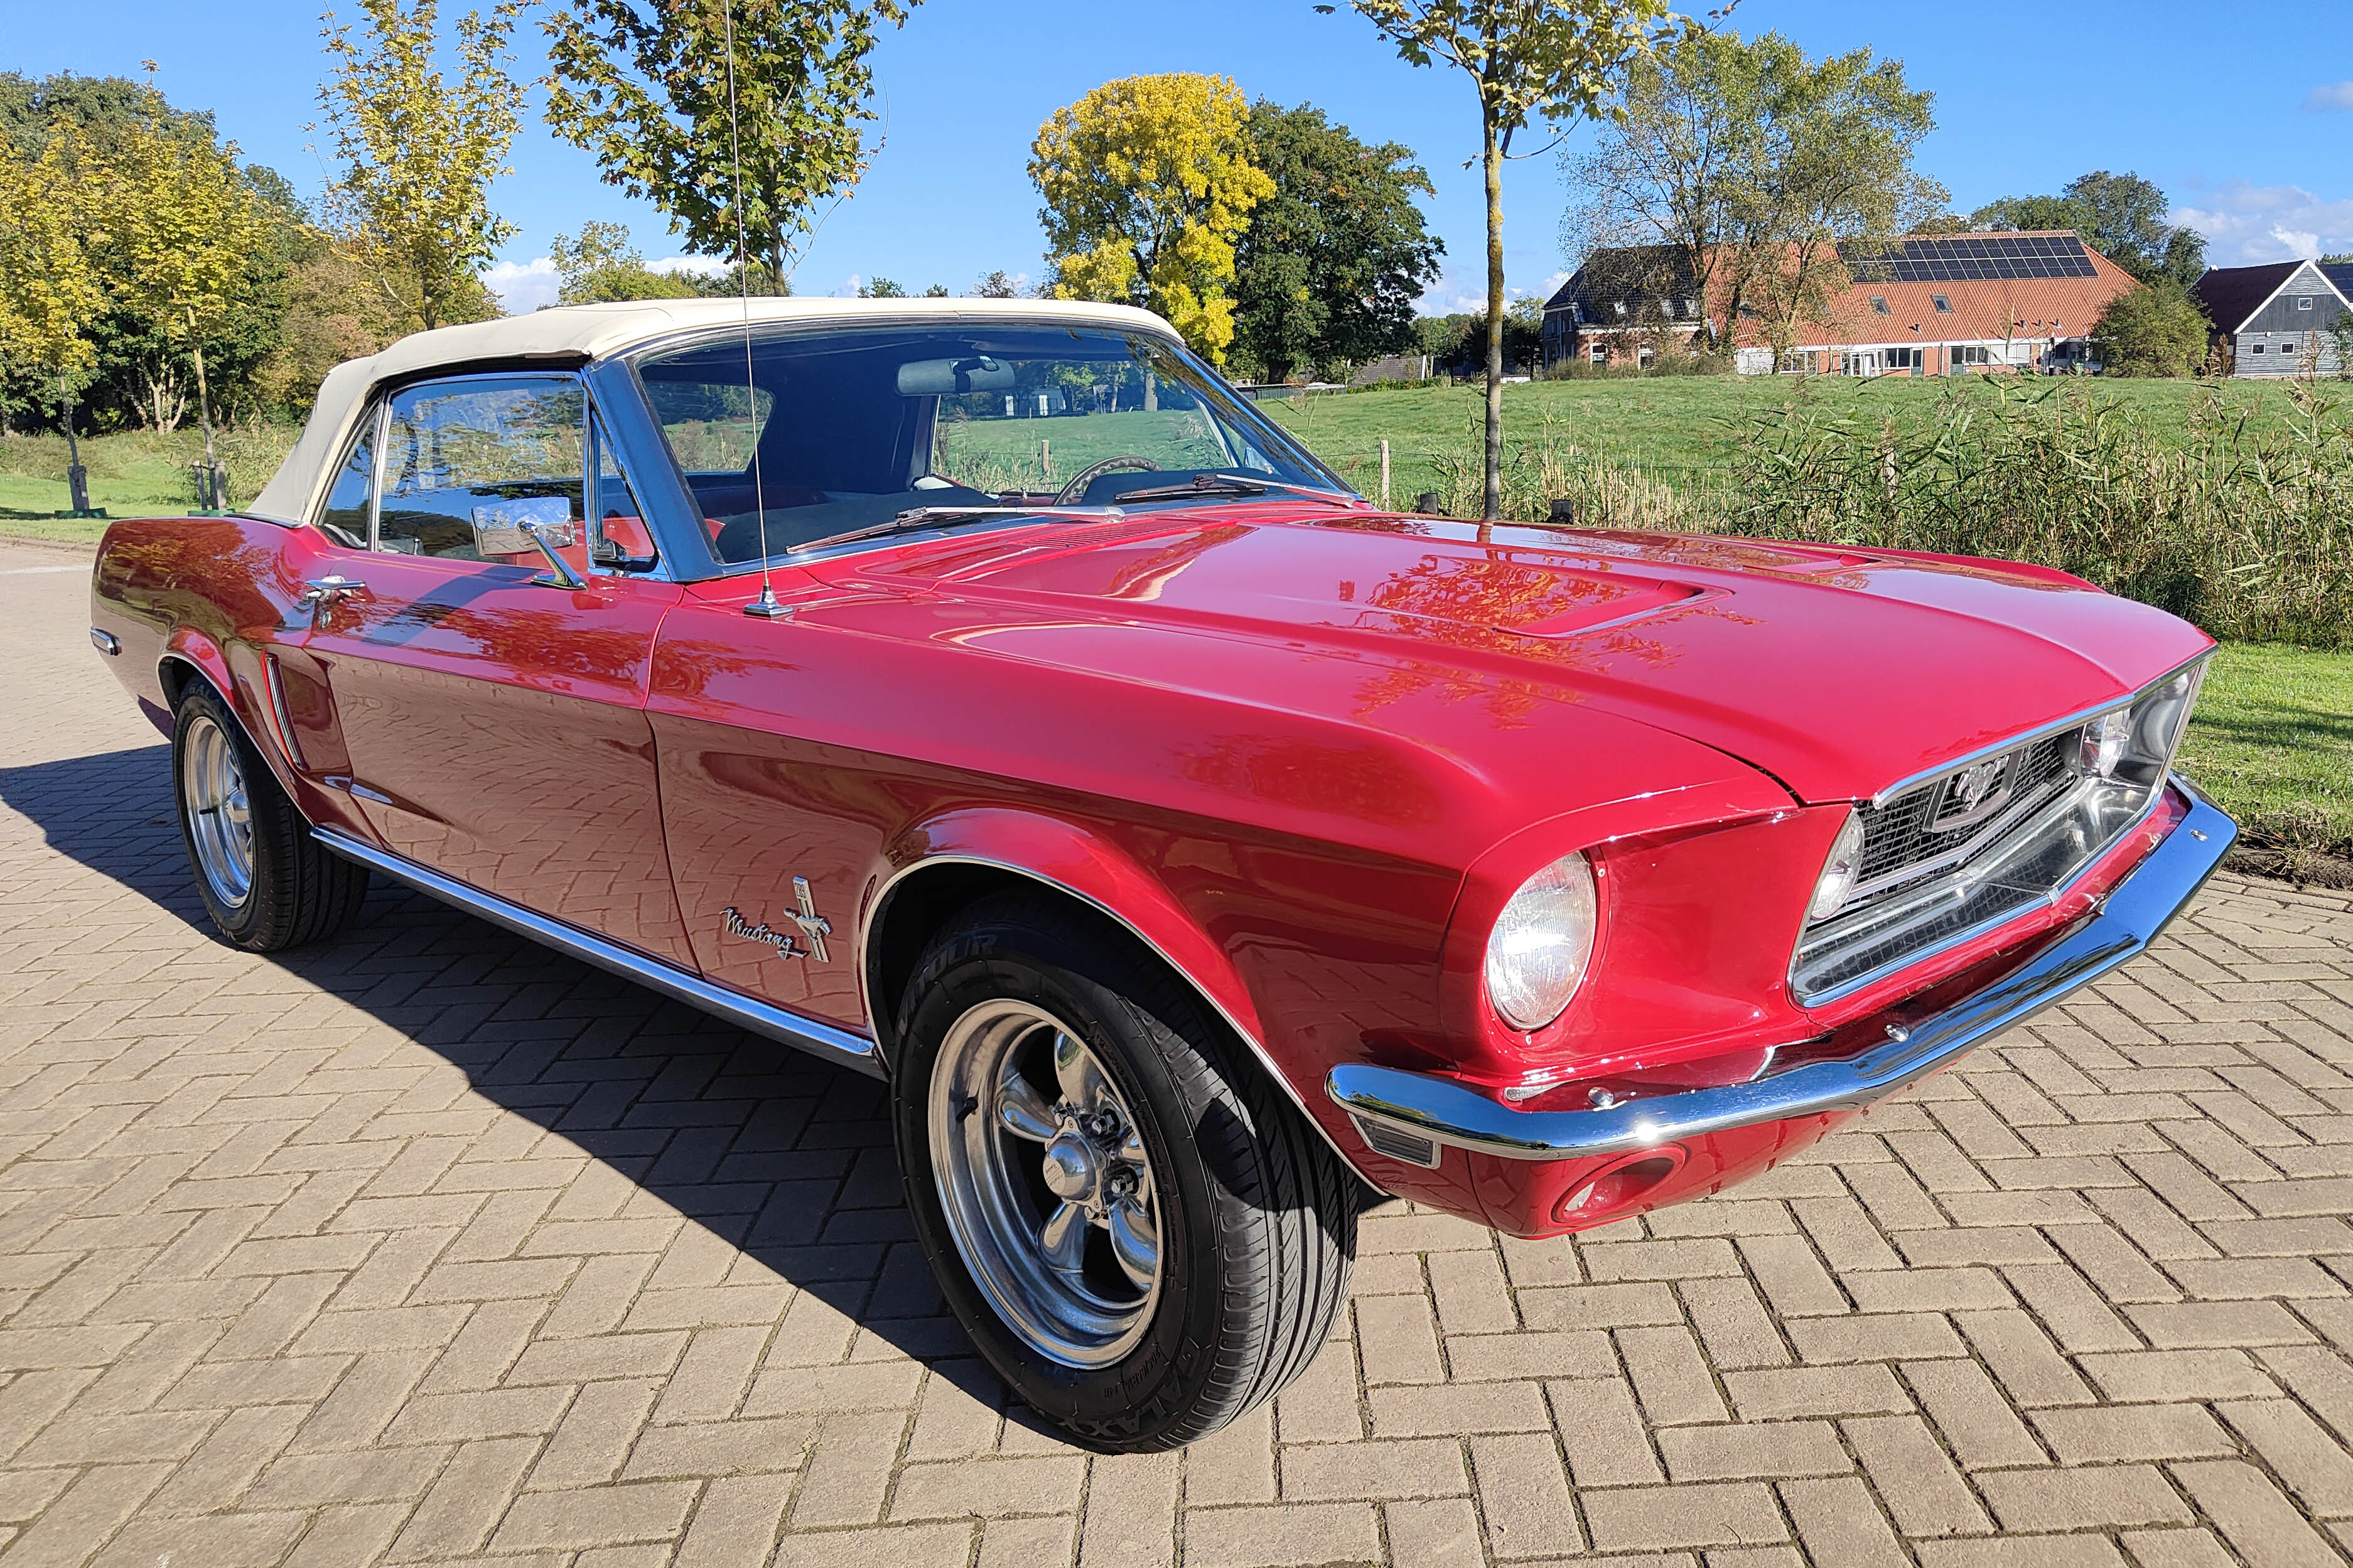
(428, 1246)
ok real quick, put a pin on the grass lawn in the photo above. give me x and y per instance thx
(137, 473)
(2273, 743)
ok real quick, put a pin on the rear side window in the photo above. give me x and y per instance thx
(345, 519)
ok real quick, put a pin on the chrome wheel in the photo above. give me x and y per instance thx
(1045, 1183)
(220, 817)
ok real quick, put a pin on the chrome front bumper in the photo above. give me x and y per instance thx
(1425, 1108)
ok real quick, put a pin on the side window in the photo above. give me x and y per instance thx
(469, 462)
(346, 517)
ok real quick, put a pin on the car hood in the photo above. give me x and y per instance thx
(1837, 671)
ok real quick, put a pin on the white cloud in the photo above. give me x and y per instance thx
(523, 287)
(2334, 95)
(2245, 223)
(1464, 292)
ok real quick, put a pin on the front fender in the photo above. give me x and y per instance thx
(1083, 865)
(1080, 862)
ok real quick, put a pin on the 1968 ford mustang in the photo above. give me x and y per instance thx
(982, 696)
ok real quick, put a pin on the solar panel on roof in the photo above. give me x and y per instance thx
(1912, 260)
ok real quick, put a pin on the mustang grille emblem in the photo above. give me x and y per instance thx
(1973, 794)
(813, 928)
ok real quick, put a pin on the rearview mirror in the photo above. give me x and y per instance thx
(941, 377)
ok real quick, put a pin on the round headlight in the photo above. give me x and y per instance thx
(1841, 872)
(1541, 943)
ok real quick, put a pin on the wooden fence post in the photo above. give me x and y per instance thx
(1385, 474)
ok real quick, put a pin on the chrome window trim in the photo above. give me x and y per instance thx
(600, 436)
(2028, 737)
(781, 1024)
(1257, 1047)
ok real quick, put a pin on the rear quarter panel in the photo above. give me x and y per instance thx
(218, 596)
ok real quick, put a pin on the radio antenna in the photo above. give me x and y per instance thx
(765, 606)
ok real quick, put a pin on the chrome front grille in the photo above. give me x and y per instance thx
(1921, 831)
(1955, 854)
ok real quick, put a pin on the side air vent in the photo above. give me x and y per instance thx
(1395, 1143)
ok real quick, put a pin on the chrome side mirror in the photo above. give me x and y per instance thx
(543, 523)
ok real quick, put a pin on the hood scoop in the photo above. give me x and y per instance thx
(1521, 598)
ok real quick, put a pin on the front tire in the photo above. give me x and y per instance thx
(1140, 1234)
(266, 882)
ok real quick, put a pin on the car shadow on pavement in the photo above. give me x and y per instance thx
(783, 1158)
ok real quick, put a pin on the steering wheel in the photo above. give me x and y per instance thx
(1086, 475)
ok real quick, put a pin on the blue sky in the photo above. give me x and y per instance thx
(2245, 115)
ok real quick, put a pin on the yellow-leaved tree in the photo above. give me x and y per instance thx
(50, 292)
(1148, 183)
(184, 227)
(419, 153)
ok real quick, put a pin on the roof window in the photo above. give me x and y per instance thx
(1944, 306)
(1879, 303)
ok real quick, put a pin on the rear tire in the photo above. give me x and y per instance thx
(1055, 1080)
(266, 882)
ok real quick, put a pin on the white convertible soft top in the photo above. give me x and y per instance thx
(591, 331)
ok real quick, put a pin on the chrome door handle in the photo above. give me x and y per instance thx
(320, 592)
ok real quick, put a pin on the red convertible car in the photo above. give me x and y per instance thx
(982, 696)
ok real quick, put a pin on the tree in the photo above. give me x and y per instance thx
(2121, 215)
(881, 288)
(733, 282)
(999, 285)
(50, 292)
(1331, 263)
(1148, 183)
(647, 89)
(2154, 331)
(299, 302)
(1737, 167)
(184, 226)
(1560, 59)
(599, 265)
(418, 153)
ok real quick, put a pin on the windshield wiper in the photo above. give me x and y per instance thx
(921, 517)
(1232, 485)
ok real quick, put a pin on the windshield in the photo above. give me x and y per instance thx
(837, 430)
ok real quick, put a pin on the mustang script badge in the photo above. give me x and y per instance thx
(814, 928)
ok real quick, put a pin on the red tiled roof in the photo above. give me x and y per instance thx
(1983, 309)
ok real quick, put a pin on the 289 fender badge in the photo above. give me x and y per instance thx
(814, 927)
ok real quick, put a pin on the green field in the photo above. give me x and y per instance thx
(129, 474)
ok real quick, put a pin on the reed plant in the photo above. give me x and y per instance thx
(2245, 529)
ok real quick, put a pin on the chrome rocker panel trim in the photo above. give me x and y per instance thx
(789, 1029)
(2119, 928)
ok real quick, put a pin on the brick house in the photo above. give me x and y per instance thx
(1917, 305)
